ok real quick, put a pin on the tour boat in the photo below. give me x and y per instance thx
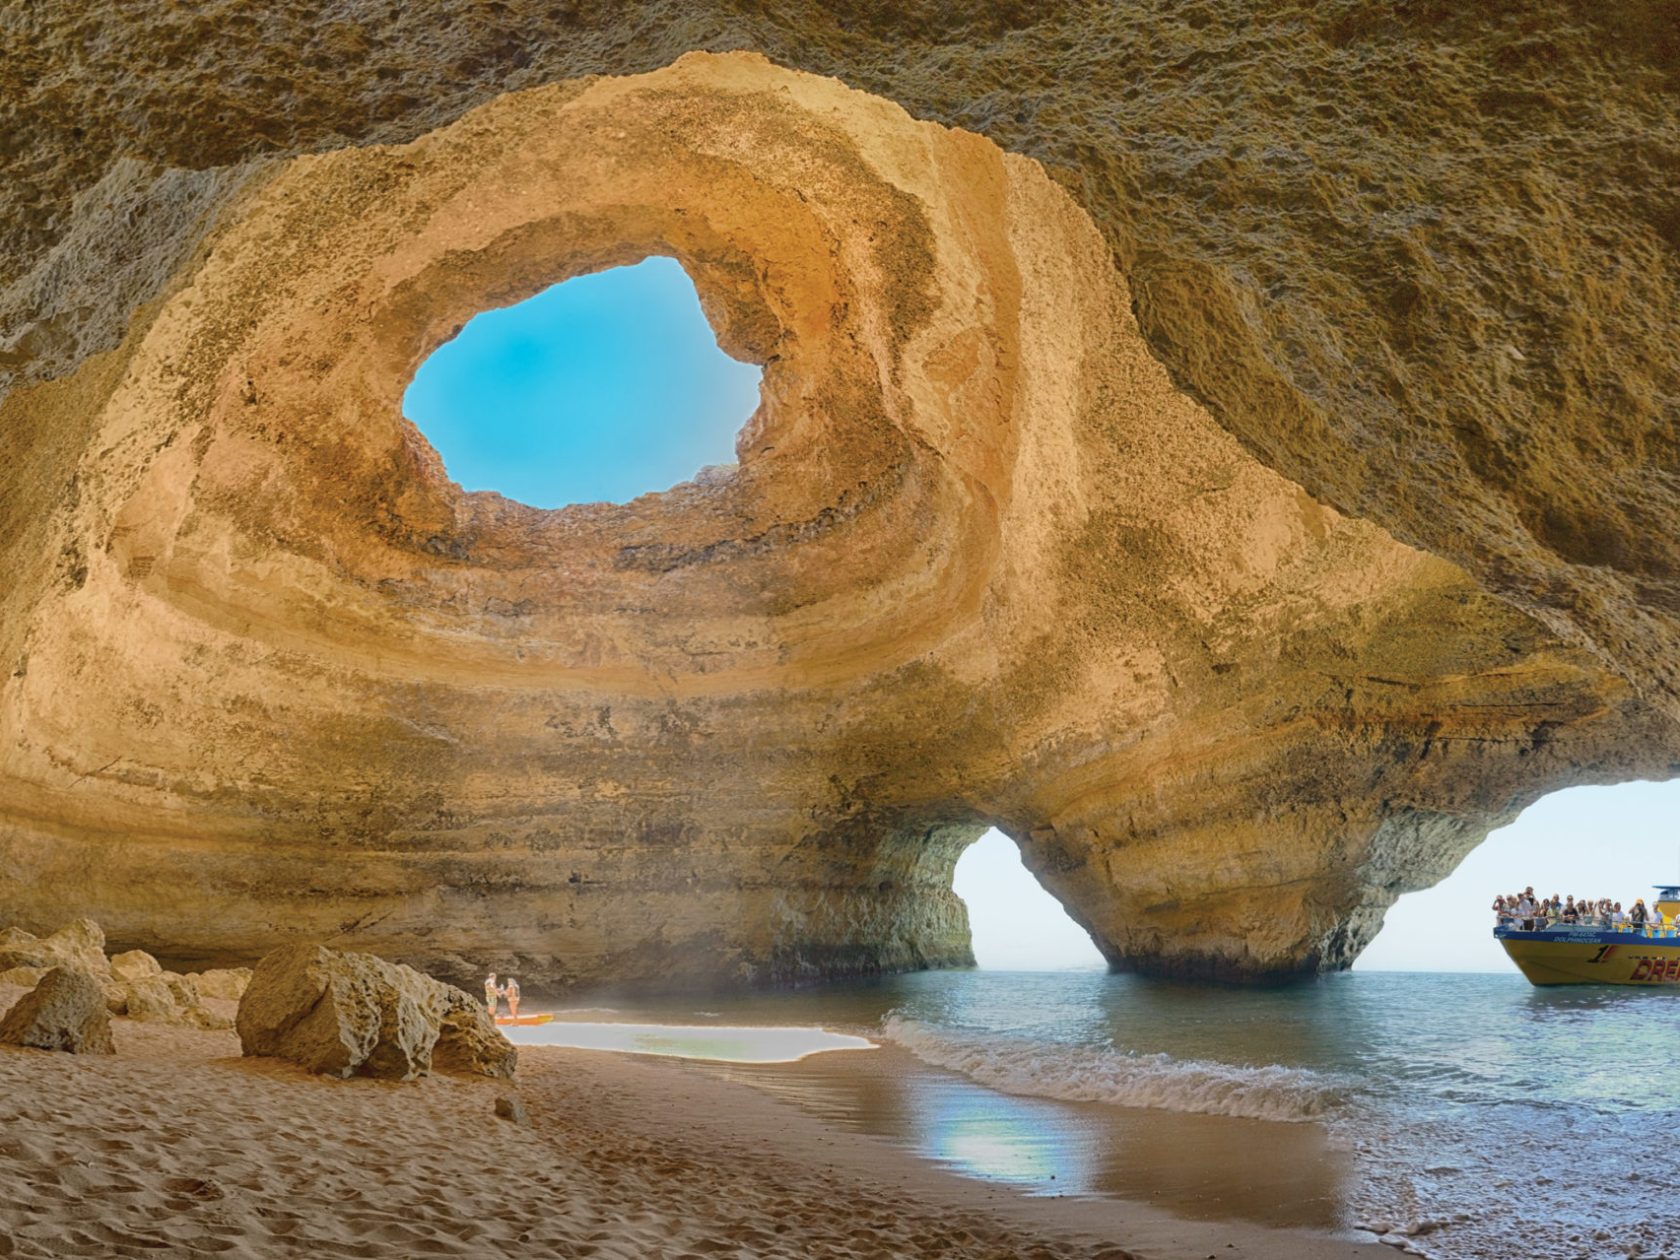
(1572, 953)
(525, 1019)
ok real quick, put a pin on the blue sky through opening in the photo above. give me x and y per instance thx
(1016, 925)
(1591, 842)
(612, 385)
(598, 389)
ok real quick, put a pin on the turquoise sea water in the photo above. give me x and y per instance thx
(1460, 1115)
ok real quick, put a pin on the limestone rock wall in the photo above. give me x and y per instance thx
(987, 558)
(1373, 236)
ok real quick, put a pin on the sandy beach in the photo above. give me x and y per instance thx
(177, 1146)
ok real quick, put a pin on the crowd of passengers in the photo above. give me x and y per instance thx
(1532, 914)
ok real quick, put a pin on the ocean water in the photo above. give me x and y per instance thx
(1460, 1116)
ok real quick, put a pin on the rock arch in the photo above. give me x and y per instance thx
(982, 561)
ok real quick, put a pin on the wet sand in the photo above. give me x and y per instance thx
(1204, 1167)
(176, 1146)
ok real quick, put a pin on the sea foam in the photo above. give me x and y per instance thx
(1087, 1074)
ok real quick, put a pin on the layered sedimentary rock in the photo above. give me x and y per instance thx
(986, 557)
(1423, 258)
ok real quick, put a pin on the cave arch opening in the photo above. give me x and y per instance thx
(1015, 924)
(1593, 841)
(599, 389)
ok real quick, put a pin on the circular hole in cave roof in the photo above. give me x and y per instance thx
(598, 389)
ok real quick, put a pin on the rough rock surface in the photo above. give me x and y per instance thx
(468, 1041)
(65, 1011)
(135, 964)
(80, 944)
(221, 984)
(149, 997)
(134, 983)
(347, 1014)
(986, 558)
(166, 997)
(1422, 257)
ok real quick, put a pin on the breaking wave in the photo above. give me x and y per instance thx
(1086, 1074)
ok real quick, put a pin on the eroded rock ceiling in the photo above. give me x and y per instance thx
(1043, 522)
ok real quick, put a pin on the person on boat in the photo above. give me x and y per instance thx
(492, 993)
(1570, 913)
(1501, 916)
(1638, 915)
(1658, 923)
(511, 990)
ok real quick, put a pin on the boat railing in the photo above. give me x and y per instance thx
(1652, 931)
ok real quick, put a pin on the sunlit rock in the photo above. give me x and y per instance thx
(221, 984)
(134, 965)
(987, 557)
(80, 944)
(347, 1014)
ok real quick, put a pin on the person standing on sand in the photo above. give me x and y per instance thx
(491, 993)
(512, 991)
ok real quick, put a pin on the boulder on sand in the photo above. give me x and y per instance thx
(150, 998)
(347, 1014)
(134, 983)
(168, 998)
(66, 1011)
(469, 1043)
(223, 984)
(136, 964)
(80, 944)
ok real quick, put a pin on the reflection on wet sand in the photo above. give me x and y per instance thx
(690, 1041)
(1197, 1166)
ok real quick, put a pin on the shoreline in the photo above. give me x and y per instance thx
(177, 1146)
(718, 1106)
(1191, 1166)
